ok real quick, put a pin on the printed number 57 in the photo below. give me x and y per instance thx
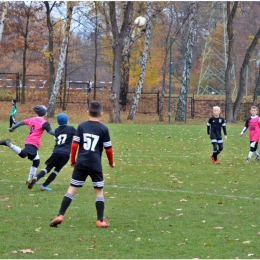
(90, 141)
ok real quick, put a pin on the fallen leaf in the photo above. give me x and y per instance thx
(5, 199)
(81, 239)
(182, 200)
(29, 250)
(218, 227)
(246, 242)
(250, 254)
(14, 252)
(207, 244)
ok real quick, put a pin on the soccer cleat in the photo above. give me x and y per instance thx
(217, 162)
(43, 188)
(32, 182)
(102, 224)
(248, 160)
(257, 158)
(58, 220)
(5, 142)
(212, 159)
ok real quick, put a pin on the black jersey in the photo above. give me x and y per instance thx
(214, 126)
(91, 136)
(63, 137)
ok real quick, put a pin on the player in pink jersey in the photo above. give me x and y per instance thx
(253, 126)
(36, 125)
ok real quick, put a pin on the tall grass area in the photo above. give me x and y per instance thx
(165, 199)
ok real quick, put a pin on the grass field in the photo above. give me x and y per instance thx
(164, 199)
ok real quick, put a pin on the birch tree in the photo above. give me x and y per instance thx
(118, 45)
(144, 58)
(5, 6)
(62, 60)
(182, 102)
(230, 18)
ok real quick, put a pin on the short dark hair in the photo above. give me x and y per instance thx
(95, 108)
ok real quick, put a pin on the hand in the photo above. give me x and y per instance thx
(72, 165)
(225, 137)
(112, 165)
(10, 130)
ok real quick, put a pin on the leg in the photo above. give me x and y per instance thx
(77, 180)
(11, 121)
(34, 167)
(67, 199)
(252, 151)
(98, 184)
(215, 149)
(50, 178)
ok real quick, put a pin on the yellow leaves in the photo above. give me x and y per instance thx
(218, 227)
(25, 251)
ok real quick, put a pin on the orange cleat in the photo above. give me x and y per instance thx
(58, 220)
(102, 224)
(212, 159)
(217, 162)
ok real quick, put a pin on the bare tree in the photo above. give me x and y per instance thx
(257, 80)
(118, 45)
(182, 103)
(242, 76)
(62, 60)
(50, 46)
(230, 18)
(165, 63)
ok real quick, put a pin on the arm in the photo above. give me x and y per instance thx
(46, 126)
(110, 157)
(224, 130)
(73, 152)
(16, 126)
(244, 129)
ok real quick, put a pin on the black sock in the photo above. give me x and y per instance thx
(40, 174)
(100, 206)
(51, 178)
(65, 203)
(215, 156)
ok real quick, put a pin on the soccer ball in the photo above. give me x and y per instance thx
(140, 21)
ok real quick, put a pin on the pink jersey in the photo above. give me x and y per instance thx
(36, 130)
(254, 128)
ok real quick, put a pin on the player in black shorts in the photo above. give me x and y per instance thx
(90, 139)
(214, 126)
(60, 155)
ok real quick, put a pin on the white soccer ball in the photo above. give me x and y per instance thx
(140, 21)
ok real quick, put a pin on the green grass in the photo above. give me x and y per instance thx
(164, 199)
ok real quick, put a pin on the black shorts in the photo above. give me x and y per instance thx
(29, 151)
(57, 160)
(81, 173)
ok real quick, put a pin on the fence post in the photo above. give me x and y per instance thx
(158, 102)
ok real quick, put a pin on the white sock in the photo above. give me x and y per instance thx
(250, 154)
(15, 148)
(33, 171)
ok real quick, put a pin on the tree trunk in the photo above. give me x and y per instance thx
(2, 24)
(182, 103)
(242, 76)
(162, 95)
(144, 58)
(257, 88)
(229, 103)
(95, 55)
(118, 44)
(50, 48)
(24, 56)
(62, 60)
